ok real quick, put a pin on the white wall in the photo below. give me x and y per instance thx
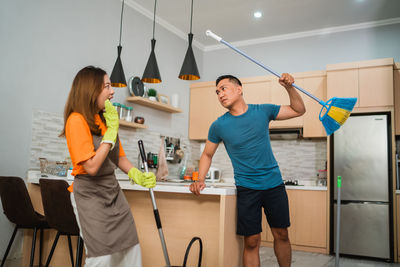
(306, 54)
(43, 45)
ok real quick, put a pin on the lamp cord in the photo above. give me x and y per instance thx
(120, 26)
(154, 18)
(191, 17)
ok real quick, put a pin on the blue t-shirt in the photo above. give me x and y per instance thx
(246, 139)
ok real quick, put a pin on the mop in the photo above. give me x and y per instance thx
(334, 112)
(158, 220)
(339, 186)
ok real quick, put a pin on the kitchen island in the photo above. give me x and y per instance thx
(210, 216)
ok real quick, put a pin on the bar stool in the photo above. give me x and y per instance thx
(18, 208)
(60, 215)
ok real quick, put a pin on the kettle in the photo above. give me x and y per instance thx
(214, 174)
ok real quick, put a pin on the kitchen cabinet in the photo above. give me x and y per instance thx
(396, 84)
(308, 218)
(153, 104)
(370, 81)
(204, 109)
(279, 96)
(210, 216)
(316, 85)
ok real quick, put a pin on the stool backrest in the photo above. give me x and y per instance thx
(57, 206)
(17, 204)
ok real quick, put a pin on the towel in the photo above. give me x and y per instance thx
(162, 168)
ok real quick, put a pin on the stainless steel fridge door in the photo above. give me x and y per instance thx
(360, 151)
(364, 230)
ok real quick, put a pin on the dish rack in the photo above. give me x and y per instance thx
(58, 168)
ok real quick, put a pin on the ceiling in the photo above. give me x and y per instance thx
(233, 20)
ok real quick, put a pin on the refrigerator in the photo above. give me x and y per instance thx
(361, 153)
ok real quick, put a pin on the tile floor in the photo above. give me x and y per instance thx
(305, 259)
(299, 259)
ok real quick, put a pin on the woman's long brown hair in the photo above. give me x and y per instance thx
(86, 87)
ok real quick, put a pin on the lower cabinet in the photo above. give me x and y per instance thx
(308, 217)
(398, 228)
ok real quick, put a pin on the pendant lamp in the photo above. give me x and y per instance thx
(151, 73)
(189, 69)
(117, 75)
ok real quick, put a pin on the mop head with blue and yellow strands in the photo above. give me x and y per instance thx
(334, 112)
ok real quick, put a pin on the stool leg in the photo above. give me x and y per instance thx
(71, 254)
(79, 250)
(9, 246)
(52, 249)
(33, 246)
(40, 247)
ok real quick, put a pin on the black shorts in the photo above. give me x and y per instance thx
(249, 203)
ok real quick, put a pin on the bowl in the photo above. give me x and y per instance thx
(139, 120)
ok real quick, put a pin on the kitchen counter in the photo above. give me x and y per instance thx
(210, 216)
(174, 187)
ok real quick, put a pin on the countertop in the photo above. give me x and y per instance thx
(172, 187)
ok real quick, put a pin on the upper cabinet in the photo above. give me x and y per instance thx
(205, 107)
(396, 84)
(370, 81)
(314, 83)
(279, 96)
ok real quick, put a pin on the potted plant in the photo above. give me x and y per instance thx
(152, 93)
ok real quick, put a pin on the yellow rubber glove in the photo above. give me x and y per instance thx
(112, 121)
(145, 179)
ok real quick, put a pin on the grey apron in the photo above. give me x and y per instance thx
(105, 217)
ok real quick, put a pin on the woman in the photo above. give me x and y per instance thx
(103, 214)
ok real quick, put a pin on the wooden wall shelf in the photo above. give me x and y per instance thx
(132, 124)
(153, 104)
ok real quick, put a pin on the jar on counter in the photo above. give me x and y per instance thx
(129, 111)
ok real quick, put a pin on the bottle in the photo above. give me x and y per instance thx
(128, 116)
(182, 168)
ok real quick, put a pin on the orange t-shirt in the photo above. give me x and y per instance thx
(80, 141)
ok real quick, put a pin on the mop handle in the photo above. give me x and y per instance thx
(219, 39)
(339, 186)
(155, 210)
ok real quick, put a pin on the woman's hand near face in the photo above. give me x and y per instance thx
(112, 121)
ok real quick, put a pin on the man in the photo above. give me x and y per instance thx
(244, 131)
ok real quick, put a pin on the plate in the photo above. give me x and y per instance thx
(136, 86)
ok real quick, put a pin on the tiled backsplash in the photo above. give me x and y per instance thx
(298, 159)
(46, 143)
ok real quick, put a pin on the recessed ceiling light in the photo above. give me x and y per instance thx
(257, 14)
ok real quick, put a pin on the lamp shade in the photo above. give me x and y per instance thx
(117, 75)
(189, 69)
(151, 73)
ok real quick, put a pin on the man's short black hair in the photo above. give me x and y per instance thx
(231, 79)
